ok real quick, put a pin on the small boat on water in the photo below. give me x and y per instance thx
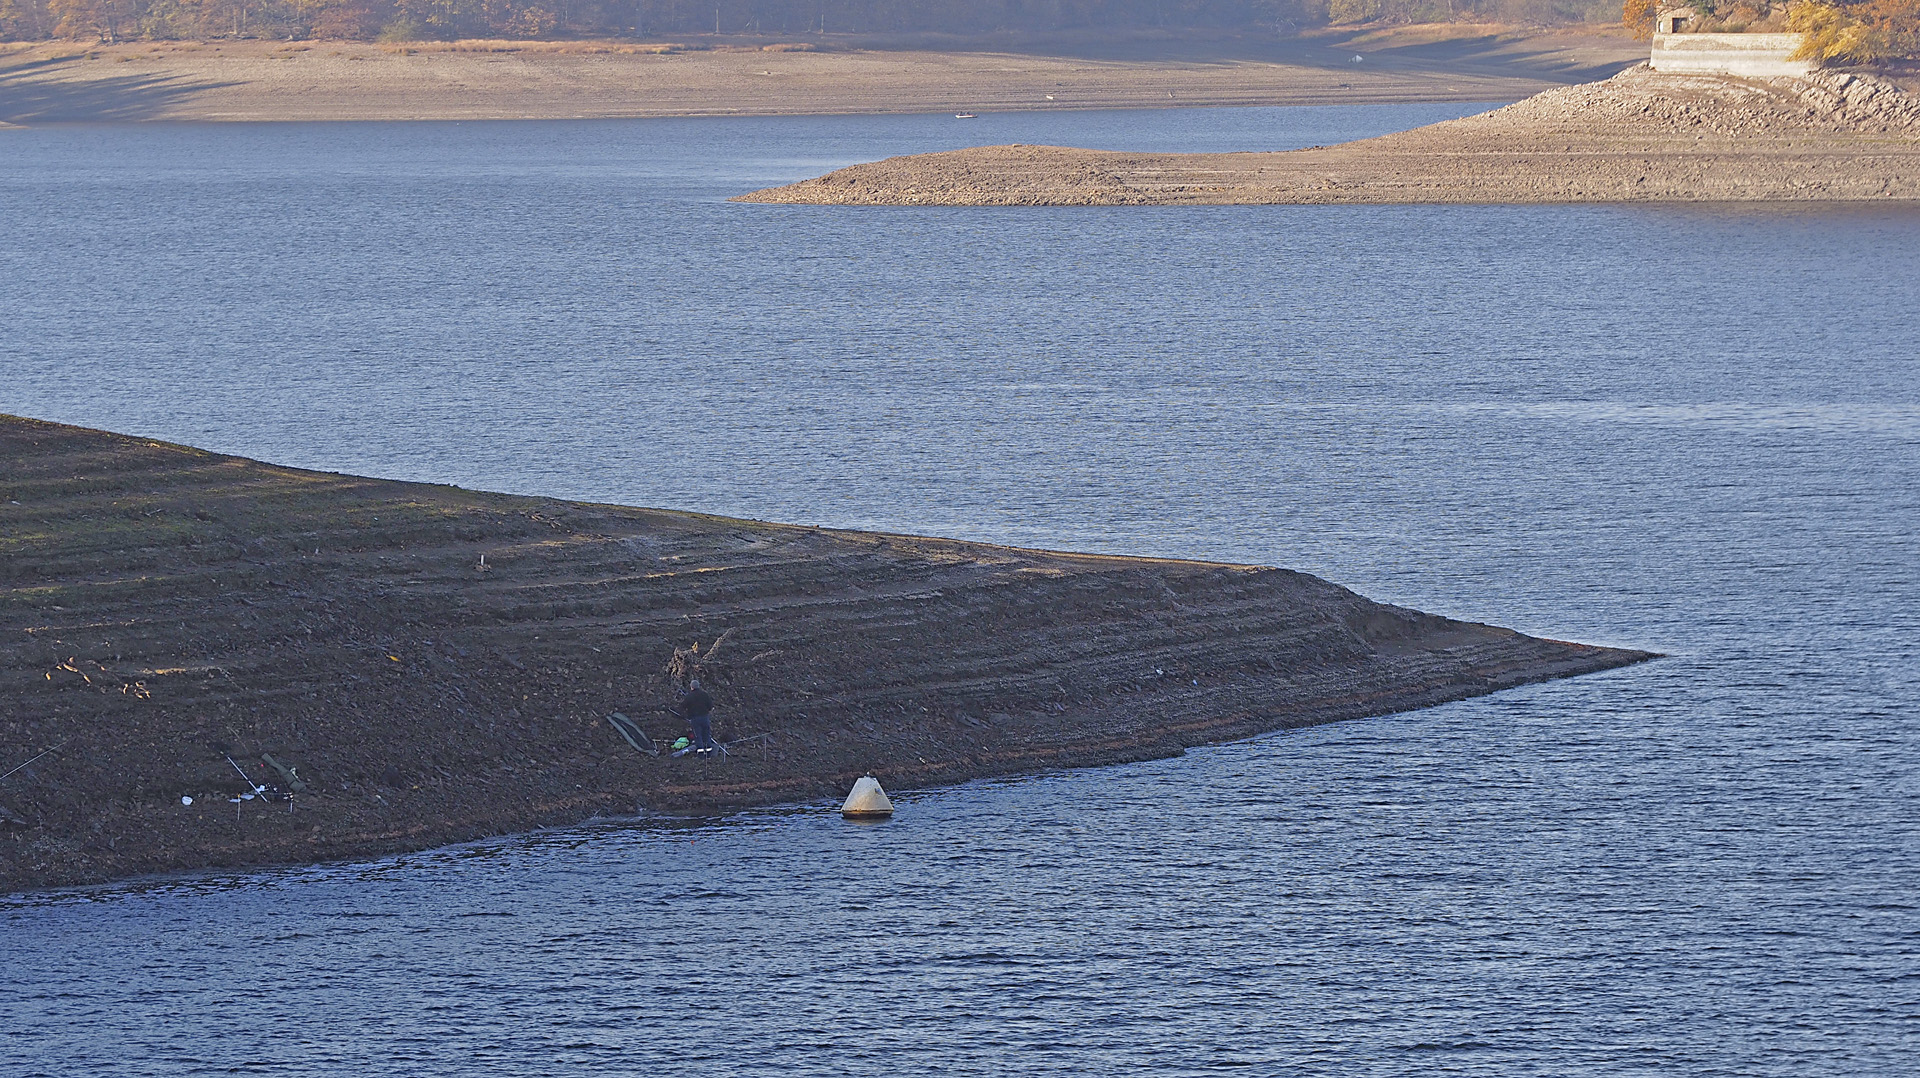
(965, 116)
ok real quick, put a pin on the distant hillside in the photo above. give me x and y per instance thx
(404, 20)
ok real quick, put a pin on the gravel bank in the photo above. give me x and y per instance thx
(1637, 137)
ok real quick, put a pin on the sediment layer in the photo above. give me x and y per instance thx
(439, 664)
(1637, 137)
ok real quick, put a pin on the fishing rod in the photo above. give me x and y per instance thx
(258, 790)
(43, 752)
(251, 785)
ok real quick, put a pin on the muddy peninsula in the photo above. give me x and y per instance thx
(437, 664)
(1639, 136)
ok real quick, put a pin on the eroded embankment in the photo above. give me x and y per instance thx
(1637, 137)
(160, 605)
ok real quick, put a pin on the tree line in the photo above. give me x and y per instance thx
(405, 20)
(1841, 31)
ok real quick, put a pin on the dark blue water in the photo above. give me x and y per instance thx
(1689, 429)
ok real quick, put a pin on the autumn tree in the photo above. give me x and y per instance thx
(24, 19)
(1895, 24)
(1857, 31)
(96, 20)
(1639, 17)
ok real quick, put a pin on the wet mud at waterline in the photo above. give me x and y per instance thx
(437, 664)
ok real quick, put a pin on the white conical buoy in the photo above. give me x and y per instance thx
(867, 801)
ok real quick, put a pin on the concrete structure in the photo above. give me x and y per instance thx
(1754, 56)
(1677, 21)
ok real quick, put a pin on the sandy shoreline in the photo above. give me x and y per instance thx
(161, 606)
(1637, 137)
(284, 81)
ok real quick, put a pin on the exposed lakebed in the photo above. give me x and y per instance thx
(1502, 414)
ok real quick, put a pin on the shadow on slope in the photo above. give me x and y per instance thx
(47, 90)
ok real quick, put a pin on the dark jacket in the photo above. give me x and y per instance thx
(696, 703)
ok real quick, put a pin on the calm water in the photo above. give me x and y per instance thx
(1693, 430)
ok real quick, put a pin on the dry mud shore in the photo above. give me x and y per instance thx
(1637, 137)
(160, 605)
(486, 80)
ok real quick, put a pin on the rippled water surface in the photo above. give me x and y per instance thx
(1695, 430)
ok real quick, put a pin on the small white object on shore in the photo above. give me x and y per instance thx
(867, 801)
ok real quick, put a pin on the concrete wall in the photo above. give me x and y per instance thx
(1756, 56)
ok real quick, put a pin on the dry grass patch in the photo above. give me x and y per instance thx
(560, 48)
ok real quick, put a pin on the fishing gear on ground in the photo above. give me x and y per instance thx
(266, 791)
(53, 751)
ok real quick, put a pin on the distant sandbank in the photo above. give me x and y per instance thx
(1637, 137)
(482, 80)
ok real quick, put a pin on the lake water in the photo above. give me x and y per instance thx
(1695, 430)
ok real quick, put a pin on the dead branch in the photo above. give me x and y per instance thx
(690, 662)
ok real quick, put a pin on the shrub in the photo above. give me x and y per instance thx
(400, 30)
(1835, 35)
